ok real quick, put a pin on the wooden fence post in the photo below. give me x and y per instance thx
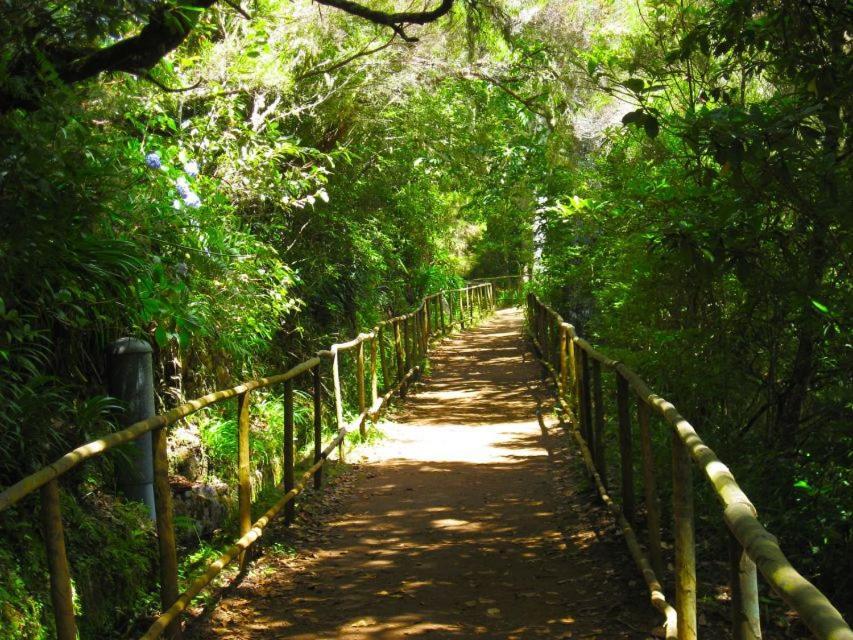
(598, 435)
(387, 383)
(407, 349)
(423, 332)
(362, 428)
(626, 459)
(374, 382)
(564, 368)
(398, 350)
(574, 392)
(470, 295)
(318, 425)
(289, 458)
(244, 489)
(57, 561)
(650, 491)
(336, 386)
(746, 619)
(586, 399)
(166, 544)
(427, 318)
(441, 312)
(339, 398)
(685, 544)
(461, 312)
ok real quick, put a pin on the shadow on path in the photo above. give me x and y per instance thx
(466, 522)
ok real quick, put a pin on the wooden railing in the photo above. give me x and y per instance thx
(576, 370)
(507, 290)
(406, 337)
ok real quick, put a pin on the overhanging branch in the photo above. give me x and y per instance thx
(396, 20)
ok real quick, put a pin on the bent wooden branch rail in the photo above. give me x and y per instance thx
(433, 317)
(567, 359)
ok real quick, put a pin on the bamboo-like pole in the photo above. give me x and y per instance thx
(407, 346)
(814, 608)
(383, 358)
(626, 456)
(461, 311)
(16, 492)
(685, 543)
(427, 311)
(374, 381)
(598, 437)
(239, 547)
(362, 428)
(336, 387)
(289, 458)
(57, 562)
(441, 313)
(318, 425)
(746, 619)
(166, 543)
(564, 361)
(650, 491)
(244, 486)
(817, 612)
(586, 400)
(577, 380)
(398, 350)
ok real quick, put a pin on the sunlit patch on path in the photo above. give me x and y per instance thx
(462, 523)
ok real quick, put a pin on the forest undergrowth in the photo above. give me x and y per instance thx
(250, 183)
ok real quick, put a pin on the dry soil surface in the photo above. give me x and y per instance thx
(471, 519)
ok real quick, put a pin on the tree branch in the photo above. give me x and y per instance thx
(341, 63)
(397, 21)
(167, 28)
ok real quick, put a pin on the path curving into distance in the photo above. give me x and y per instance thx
(470, 520)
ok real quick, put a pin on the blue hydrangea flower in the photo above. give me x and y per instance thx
(192, 200)
(153, 160)
(182, 187)
(191, 168)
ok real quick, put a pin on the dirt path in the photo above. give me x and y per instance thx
(466, 522)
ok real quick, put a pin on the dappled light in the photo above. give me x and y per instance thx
(454, 527)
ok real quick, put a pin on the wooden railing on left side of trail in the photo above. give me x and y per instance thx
(397, 347)
(575, 368)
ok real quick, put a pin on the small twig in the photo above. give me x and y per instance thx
(238, 9)
(157, 83)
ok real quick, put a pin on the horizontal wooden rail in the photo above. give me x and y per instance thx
(426, 321)
(739, 514)
(21, 489)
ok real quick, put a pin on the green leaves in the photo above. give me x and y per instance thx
(634, 84)
(820, 306)
(644, 119)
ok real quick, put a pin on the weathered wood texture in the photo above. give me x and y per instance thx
(759, 547)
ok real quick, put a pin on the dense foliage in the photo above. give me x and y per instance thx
(240, 187)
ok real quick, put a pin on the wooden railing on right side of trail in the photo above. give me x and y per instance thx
(575, 368)
(406, 337)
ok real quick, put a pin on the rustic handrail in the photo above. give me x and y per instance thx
(565, 357)
(428, 320)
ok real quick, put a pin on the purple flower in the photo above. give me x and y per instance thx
(182, 187)
(191, 168)
(153, 160)
(192, 200)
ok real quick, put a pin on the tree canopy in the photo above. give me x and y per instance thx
(240, 183)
